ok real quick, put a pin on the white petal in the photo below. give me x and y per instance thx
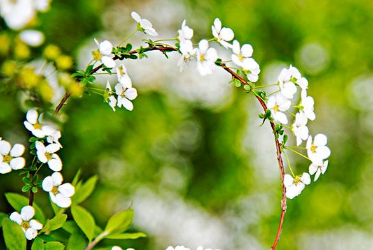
(52, 148)
(320, 140)
(324, 167)
(271, 102)
(106, 48)
(32, 116)
(62, 201)
(41, 157)
(236, 47)
(312, 169)
(323, 152)
(40, 147)
(27, 213)
(131, 93)
(280, 117)
(291, 191)
(57, 178)
(4, 147)
(217, 24)
(33, 38)
(127, 104)
(108, 61)
(306, 179)
(247, 50)
(146, 24)
(17, 163)
(118, 89)
(47, 184)
(227, 34)
(5, 168)
(17, 150)
(203, 46)
(116, 248)
(31, 233)
(55, 164)
(66, 190)
(38, 133)
(29, 126)
(112, 102)
(212, 54)
(48, 130)
(136, 16)
(16, 217)
(36, 225)
(317, 175)
(151, 31)
(108, 87)
(288, 180)
(126, 81)
(253, 77)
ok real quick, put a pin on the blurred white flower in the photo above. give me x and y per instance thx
(10, 157)
(47, 154)
(144, 24)
(294, 186)
(223, 35)
(317, 150)
(123, 76)
(242, 57)
(116, 248)
(318, 169)
(30, 227)
(306, 106)
(17, 13)
(278, 104)
(206, 58)
(300, 128)
(186, 33)
(186, 45)
(52, 135)
(33, 38)
(59, 193)
(104, 53)
(125, 96)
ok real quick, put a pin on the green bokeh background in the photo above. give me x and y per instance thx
(177, 148)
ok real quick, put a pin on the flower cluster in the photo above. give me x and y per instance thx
(30, 227)
(207, 56)
(47, 154)
(289, 81)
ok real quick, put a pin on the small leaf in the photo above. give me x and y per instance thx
(33, 139)
(26, 188)
(84, 220)
(18, 201)
(85, 190)
(120, 222)
(76, 242)
(55, 223)
(125, 236)
(76, 178)
(38, 244)
(54, 245)
(34, 189)
(2, 216)
(13, 235)
(285, 139)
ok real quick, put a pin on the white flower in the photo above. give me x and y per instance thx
(123, 76)
(116, 248)
(10, 157)
(29, 227)
(144, 24)
(294, 186)
(125, 96)
(53, 135)
(104, 53)
(278, 104)
(110, 97)
(60, 193)
(17, 13)
(318, 169)
(186, 33)
(300, 128)
(242, 57)
(46, 154)
(223, 35)
(306, 106)
(33, 124)
(186, 45)
(303, 83)
(287, 79)
(206, 58)
(317, 150)
(33, 38)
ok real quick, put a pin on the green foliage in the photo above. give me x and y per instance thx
(83, 191)
(119, 222)
(55, 223)
(38, 244)
(125, 236)
(54, 246)
(18, 201)
(14, 236)
(84, 220)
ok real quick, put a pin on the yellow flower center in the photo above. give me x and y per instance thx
(275, 108)
(313, 148)
(49, 156)
(37, 126)
(54, 190)
(25, 225)
(7, 158)
(240, 57)
(202, 57)
(96, 55)
(297, 180)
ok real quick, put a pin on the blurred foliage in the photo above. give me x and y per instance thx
(170, 145)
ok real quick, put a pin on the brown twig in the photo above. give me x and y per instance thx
(165, 49)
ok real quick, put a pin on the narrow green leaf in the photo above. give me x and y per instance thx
(120, 222)
(18, 201)
(57, 222)
(85, 190)
(13, 235)
(84, 220)
(77, 177)
(125, 236)
(38, 244)
(54, 245)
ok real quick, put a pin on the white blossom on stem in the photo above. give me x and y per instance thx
(186, 45)
(294, 186)
(47, 154)
(34, 124)
(300, 128)
(30, 227)
(123, 76)
(52, 135)
(104, 53)
(306, 106)
(317, 169)
(223, 35)
(242, 57)
(109, 97)
(59, 193)
(317, 150)
(278, 104)
(125, 96)
(206, 58)
(185, 33)
(10, 157)
(287, 79)
(144, 24)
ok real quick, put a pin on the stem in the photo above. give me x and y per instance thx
(266, 86)
(296, 152)
(287, 159)
(127, 37)
(97, 240)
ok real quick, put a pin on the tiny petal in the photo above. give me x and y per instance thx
(16, 217)
(17, 150)
(32, 116)
(27, 213)
(17, 163)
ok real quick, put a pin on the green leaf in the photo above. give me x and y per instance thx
(84, 220)
(46, 238)
(38, 244)
(18, 201)
(76, 178)
(125, 236)
(2, 216)
(120, 222)
(237, 83)
(54, 245)
(76, 242)
(285, 139)
(55, 223)
(13, 235)
(71, 227)
(33, 139)
(26, 188)
(85, 190)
